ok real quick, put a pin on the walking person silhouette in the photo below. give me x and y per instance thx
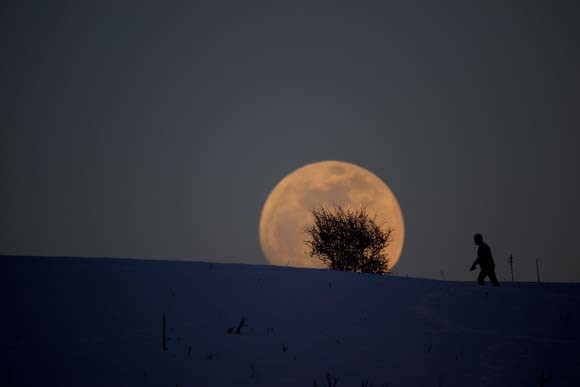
(485, 261)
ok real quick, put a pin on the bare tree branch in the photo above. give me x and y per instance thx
(349, 240)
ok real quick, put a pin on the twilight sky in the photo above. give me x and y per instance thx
(158, 130)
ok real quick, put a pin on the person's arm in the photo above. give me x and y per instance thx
(472, 268)
(478, 260)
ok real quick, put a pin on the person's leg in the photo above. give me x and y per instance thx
(493, 278)
(481, 276)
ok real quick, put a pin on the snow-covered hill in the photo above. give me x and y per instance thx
(99, 322)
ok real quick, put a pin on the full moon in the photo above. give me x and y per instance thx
(287, 211)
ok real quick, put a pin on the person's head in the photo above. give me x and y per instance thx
(478, 239)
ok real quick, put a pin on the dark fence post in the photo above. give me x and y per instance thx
(164, 343)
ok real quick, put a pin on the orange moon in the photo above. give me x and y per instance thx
(287, 211)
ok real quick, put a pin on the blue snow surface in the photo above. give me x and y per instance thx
(99, 322)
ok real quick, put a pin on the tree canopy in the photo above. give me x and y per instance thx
(349, 240)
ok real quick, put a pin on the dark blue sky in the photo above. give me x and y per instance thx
(157, 130)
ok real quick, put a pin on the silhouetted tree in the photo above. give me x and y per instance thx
(348, 240)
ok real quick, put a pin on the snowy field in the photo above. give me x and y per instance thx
(99, 322)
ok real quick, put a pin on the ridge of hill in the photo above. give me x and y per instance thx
(100, 322)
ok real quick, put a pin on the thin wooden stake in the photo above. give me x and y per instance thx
(511, 262)
(538, 270)
(544, 379)
(164, 343)
(442, 275)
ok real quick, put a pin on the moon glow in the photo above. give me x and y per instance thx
(287, 211)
